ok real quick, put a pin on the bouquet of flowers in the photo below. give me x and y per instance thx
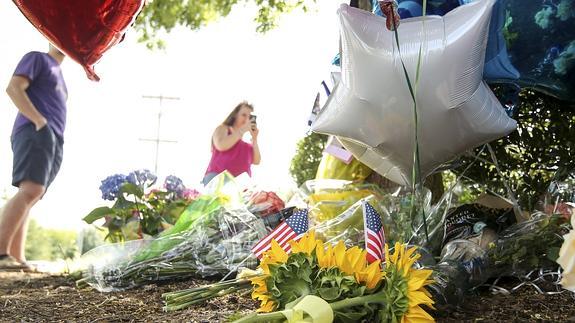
(326, 282)
(139, 210)
(210, 238)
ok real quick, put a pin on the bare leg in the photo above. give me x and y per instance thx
(17, 249)
(15, 218)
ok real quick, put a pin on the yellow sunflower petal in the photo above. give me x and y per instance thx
(322, 255)
(418, 279)
(416, 315)
(276, 253)
(422, 274)
(407, 263)
(339, 253)
(386, 249)
(418, 297)
(374, 274)
(330, 254)
(350, 258)
(396, 252)
(267, 307)
(306, 244)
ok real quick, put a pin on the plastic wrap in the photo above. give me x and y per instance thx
(528, 245)
(347, 226)
(473, 220)
(336, 213)
(211, 238)
(331, 167)
(518, 251)
(328, 198)
(560, 197)
(264, 203)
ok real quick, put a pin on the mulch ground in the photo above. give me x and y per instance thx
(45, 298)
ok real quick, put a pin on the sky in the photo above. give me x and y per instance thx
(210, 70)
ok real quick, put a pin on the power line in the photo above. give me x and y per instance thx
(158, 138)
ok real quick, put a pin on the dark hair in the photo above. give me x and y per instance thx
(231, 119)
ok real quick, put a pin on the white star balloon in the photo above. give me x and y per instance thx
(371, 108)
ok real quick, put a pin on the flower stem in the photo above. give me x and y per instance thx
(263, 317)
(356, 301)
(378, 298)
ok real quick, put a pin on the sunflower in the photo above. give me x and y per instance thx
(350, 261)
(319, 260)
(260, 292)
(406, 285)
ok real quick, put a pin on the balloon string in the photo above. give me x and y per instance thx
(416, 170)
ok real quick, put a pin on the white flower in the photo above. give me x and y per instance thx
(567, 258)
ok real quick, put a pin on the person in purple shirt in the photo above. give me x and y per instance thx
(38, 90)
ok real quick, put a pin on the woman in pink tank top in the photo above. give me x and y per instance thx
(229, 151)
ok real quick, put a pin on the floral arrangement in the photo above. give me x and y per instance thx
(140, 210)
(327, 282)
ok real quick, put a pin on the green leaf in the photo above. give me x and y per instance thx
(329, 294)
(350, 316)
(132, 189)
(98, 213)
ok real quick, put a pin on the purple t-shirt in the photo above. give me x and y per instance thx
(47, 90)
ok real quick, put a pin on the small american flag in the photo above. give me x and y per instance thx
(293, 228)
(374, 234)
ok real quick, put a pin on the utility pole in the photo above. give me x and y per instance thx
(158, 139)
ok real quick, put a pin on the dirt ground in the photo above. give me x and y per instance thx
(45, 298)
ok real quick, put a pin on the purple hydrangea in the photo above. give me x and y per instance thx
(174, 184)
(111, 186)
(142, 178)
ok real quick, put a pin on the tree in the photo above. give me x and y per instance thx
(166, 14)
(49, 244)
(307, 158)
(540, 151)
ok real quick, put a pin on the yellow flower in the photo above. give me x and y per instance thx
(306, 244)
(275, 255)
(370, 276)
(349, 261)
(260, 293)
(402, 261)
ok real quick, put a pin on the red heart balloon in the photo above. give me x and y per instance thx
(83, 29)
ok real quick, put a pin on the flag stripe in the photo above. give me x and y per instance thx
(373, 254)
(286, 229)
(269, 237)
(376, 236)
(293, 228)
(374, 245)
(287, 238)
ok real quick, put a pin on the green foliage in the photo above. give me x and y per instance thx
(540, 151)
(307, 158)
(49, 244)
(164, 15)
(90, 238)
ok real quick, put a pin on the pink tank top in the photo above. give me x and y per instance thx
(236, 160)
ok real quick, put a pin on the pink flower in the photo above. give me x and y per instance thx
(190, 194)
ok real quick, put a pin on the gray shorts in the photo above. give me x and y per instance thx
(37, 155)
